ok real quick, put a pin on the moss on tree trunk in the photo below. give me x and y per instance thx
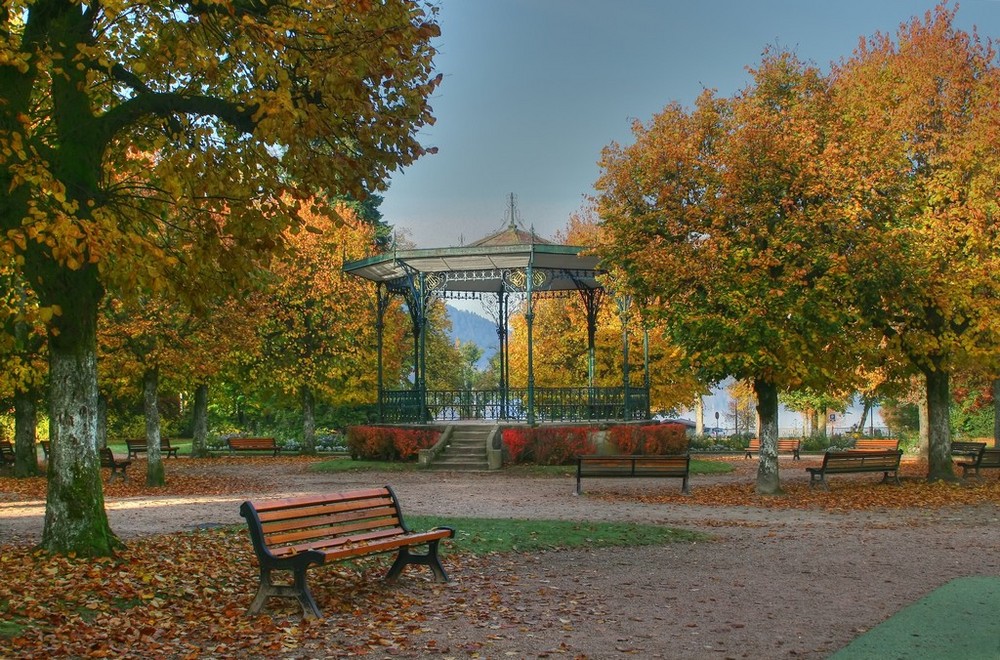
(768, 482)
(939, 464)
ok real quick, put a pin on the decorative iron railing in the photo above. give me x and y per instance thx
(550, 404)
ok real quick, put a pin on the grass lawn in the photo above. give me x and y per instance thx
(480, 536)
(347, 465)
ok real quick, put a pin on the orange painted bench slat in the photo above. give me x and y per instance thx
(785, 446)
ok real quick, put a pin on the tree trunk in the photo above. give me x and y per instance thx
(75, 520)
(699, 416)
(199, 445)
(768, 482)
(102, 421)
(308, 422)
(25, 424)
(151, 411)
(996, 413)
(824, 420)
(923, 425)
(939, 464)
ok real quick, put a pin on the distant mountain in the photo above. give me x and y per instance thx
(468, 327)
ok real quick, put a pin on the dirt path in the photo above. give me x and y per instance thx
(773, 583)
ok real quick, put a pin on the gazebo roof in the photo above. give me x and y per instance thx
(487, 266)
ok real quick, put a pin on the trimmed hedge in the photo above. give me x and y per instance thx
(549, 445)
(652, 439)
(383, 443)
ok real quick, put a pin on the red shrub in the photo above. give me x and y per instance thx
(382, 443)
(655, 439)
(516, 441)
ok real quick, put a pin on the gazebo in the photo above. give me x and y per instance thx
(512, 266)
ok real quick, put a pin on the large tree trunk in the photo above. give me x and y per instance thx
(199, 444)
(308, 421)
(102, 421)
(151, 411)
(75, 520)
(25, 423)
(768, 482)
(996, 413)
(699, 416)
(939, 465)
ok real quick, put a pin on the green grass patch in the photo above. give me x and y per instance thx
(697, 467)
(348, 465)
(481, 536)
(12, 628)
(345, 464)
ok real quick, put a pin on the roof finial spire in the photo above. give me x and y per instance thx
(513, 213)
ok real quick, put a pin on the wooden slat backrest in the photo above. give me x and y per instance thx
(352, 517)
(252, 443)
(784, 444)
(989, 458)
(874, 444)
(861, 459)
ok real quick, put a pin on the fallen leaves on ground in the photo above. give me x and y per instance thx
(212, 476)
(847, 492)
(186, 595)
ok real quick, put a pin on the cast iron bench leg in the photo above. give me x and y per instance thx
(298, 590)
(405, 557)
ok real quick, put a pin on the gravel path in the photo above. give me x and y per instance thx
(773, 583)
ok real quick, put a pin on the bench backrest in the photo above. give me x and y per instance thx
(108, 459)
(6, 452)
(876, 444)
(252, 443)
(668, 465)
(989, 458)
(141, 444)
(286, 527)
(784, 444)
(862, 459)
(967, 448)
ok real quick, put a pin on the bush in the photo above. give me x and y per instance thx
(654, 439)
(382, 443)
(549, 445)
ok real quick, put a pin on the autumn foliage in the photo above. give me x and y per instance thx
(654, 439)
(383, 443)
(548, 445)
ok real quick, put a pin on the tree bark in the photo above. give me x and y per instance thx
(199, 445)
(939, 464)
(308, 422)
(996, 413)
(151, 411)
(699, 416)
(768, 482)
(25, 424)
(75, 520)
(102, 421)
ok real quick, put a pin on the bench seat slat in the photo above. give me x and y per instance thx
(324, 544)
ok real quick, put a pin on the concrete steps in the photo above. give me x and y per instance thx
(466, 451)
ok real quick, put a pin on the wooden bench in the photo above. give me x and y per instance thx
(987, 459)
(293, 534)
(876, 444)
(966, 449)
(844, 462)
(117, 465)
(785, 446)
(6, 453)
(253, 444)
(634, 466)
(141, 446)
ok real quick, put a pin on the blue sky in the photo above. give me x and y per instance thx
(534, 89)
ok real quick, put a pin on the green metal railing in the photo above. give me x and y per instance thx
(559, 404)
